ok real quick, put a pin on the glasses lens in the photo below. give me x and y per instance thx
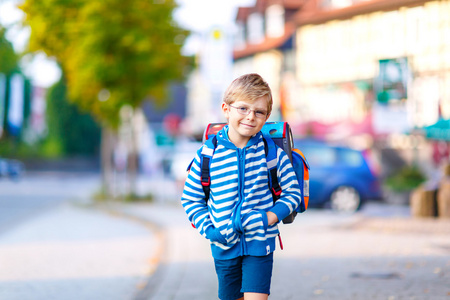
(243, 110)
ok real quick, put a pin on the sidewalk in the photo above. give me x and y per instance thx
(326, 256)
(185, 266)
(149, 251)
(75, 252)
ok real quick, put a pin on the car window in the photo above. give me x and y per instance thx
(351, 158)
(320, 156)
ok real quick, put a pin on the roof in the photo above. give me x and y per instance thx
(267, 44)
(308, 12)
(315, 15)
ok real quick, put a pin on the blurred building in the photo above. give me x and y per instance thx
(374, 66)
(265, 44)
(393, 55)
(359, 71)
(207, 84)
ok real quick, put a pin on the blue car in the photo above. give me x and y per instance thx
(340, 177)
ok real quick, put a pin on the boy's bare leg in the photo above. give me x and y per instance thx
(255, 296)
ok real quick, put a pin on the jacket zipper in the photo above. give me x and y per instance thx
(241, 186)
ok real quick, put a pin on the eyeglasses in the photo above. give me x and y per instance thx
(246, 111)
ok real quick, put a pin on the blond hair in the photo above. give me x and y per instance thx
(248, 87)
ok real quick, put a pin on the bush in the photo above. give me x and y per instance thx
(406, 179)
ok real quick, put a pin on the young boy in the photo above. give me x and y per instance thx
(240, 218)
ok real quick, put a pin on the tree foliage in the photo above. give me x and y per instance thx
(8, 58)
(113, 52)
(9, 66)
(77, 133)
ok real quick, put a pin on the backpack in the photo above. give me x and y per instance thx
(275, 134)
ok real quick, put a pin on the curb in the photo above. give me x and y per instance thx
(156, 269)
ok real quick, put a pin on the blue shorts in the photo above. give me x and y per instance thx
(244, 274)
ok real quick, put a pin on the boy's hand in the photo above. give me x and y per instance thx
(271, 218)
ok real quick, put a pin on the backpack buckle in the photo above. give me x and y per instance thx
(206, 181)
(277, 191)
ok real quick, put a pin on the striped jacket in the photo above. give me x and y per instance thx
(234, 218)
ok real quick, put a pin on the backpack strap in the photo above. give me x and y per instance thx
(270, 149)
(207, 152)
(272, 160)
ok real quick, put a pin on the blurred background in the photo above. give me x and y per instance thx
(127, 90)
(104, 103)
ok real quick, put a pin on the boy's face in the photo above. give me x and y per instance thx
(245, 119)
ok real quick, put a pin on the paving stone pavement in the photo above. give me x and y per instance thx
(74, 252)
(325, 256)
(149, 251)
(185, 268)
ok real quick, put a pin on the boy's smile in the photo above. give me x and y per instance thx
(245, 119)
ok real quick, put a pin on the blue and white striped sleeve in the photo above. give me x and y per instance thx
(193, 198)
(291, 195)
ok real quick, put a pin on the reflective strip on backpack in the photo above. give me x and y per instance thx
(306, 188)
(305, 180)
(207, 151)
(272, 164)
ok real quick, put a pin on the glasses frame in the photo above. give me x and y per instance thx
(248, 111)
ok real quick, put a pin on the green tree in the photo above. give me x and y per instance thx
(8, 65)
(114, 53)
(76, 132)
(8, 58)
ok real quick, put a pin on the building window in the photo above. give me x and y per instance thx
(255, 28)
(275, 21)
(336, 4)
(239, 39)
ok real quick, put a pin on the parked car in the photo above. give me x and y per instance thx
(11, 168)
(340, 177)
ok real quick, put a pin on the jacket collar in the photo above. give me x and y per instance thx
(222, 137)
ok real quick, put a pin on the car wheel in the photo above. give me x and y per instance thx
(345, 199)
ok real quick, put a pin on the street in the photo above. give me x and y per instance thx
(38, 192)
(71, 248)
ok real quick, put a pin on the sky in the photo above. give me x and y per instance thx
(201, 15)
(198, 16)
